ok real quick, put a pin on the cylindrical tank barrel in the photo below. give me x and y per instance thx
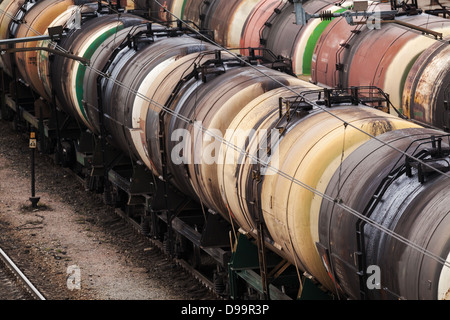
(138, 73)
(38, 19)
(226, 19)
(43, 56)
(284, 37)
(214, 105)
(426, 94)
(348, 55)
(256, 20)
(83, 43)
(9, 14)
(418, 212)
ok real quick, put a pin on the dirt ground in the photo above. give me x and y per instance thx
(73, 235)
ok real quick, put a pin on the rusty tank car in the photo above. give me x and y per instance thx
(199, 119)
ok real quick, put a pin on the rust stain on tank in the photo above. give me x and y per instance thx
(380, 126)
(447, 295)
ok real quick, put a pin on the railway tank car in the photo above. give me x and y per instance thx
(331, 51)
(340, 59)
(324, 178)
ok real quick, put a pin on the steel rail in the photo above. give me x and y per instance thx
(20, 276)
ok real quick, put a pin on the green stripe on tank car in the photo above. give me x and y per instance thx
(43, 55)
(182, 9)
(312, 41)
(82, 68)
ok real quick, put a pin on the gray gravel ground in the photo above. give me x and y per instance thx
(73, 230)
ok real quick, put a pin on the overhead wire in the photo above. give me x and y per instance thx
(324, 196)
(306, 99)
(267, 165)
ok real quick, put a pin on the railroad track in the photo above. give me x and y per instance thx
(13, 283)
(203, 280)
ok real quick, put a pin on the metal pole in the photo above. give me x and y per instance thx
(51, 50)
(34, 200)
(25, 39)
